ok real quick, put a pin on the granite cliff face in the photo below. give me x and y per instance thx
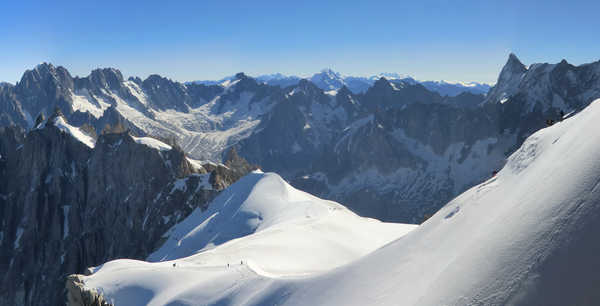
(67, 206)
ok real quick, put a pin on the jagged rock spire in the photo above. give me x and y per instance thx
(513, 66)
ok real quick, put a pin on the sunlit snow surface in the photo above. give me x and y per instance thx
(527, 236)
(152, 143)
(260, 229)
(60, 123)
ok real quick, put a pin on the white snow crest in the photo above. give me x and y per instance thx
(152, 143)
(60, 123)
(260, 228)
(82, 101)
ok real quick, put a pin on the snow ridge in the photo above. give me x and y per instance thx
(525, 236)
(259, 228)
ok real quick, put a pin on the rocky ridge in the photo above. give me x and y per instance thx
(67, 206)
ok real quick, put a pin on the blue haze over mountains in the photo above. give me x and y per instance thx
(328, 79)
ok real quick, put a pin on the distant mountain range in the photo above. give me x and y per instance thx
(329, 80)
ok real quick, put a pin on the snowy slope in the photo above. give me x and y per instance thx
(278, 232)
(152, 143)
(203, 131)
(527, 236)
(76, 132)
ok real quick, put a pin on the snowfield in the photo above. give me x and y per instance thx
(258, 230)
(76, 132)
(527, 236)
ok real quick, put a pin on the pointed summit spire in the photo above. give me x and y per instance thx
(240, 76)
(512, 68)
(382, 83)
(514, 64)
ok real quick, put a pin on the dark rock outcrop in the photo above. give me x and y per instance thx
(65, 206)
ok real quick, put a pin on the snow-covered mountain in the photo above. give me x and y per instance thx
(527, 236)
(258, 227)
(278, 79)
(453, 89)
(329, 80)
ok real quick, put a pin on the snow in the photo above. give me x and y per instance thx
(262, 228)
(526, 236)
(204, 131)
(501, 242)
(152, 143)
(180, 185)
(137, 92)
(196, 164)
(60, 123)
(227, 84)
(82, 101)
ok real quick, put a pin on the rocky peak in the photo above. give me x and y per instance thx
(379, 94)
(43, 77)
(108, 78)
(43, 88)
(562, 67)
(308, 87)
(165, 93)
(240, 76)
(245, 83)
(136, 80)
(57, 113)
(515, 64)
(329, 74)
(512, 67)
(154, 81)
(40, 71)
(508, 81)
(382, 84)
(328, 79)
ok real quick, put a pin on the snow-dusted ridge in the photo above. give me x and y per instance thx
(526, 236)
(76, 132)
(260, 227)
(152, 143)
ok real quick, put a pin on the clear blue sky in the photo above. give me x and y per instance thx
(189, 40)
